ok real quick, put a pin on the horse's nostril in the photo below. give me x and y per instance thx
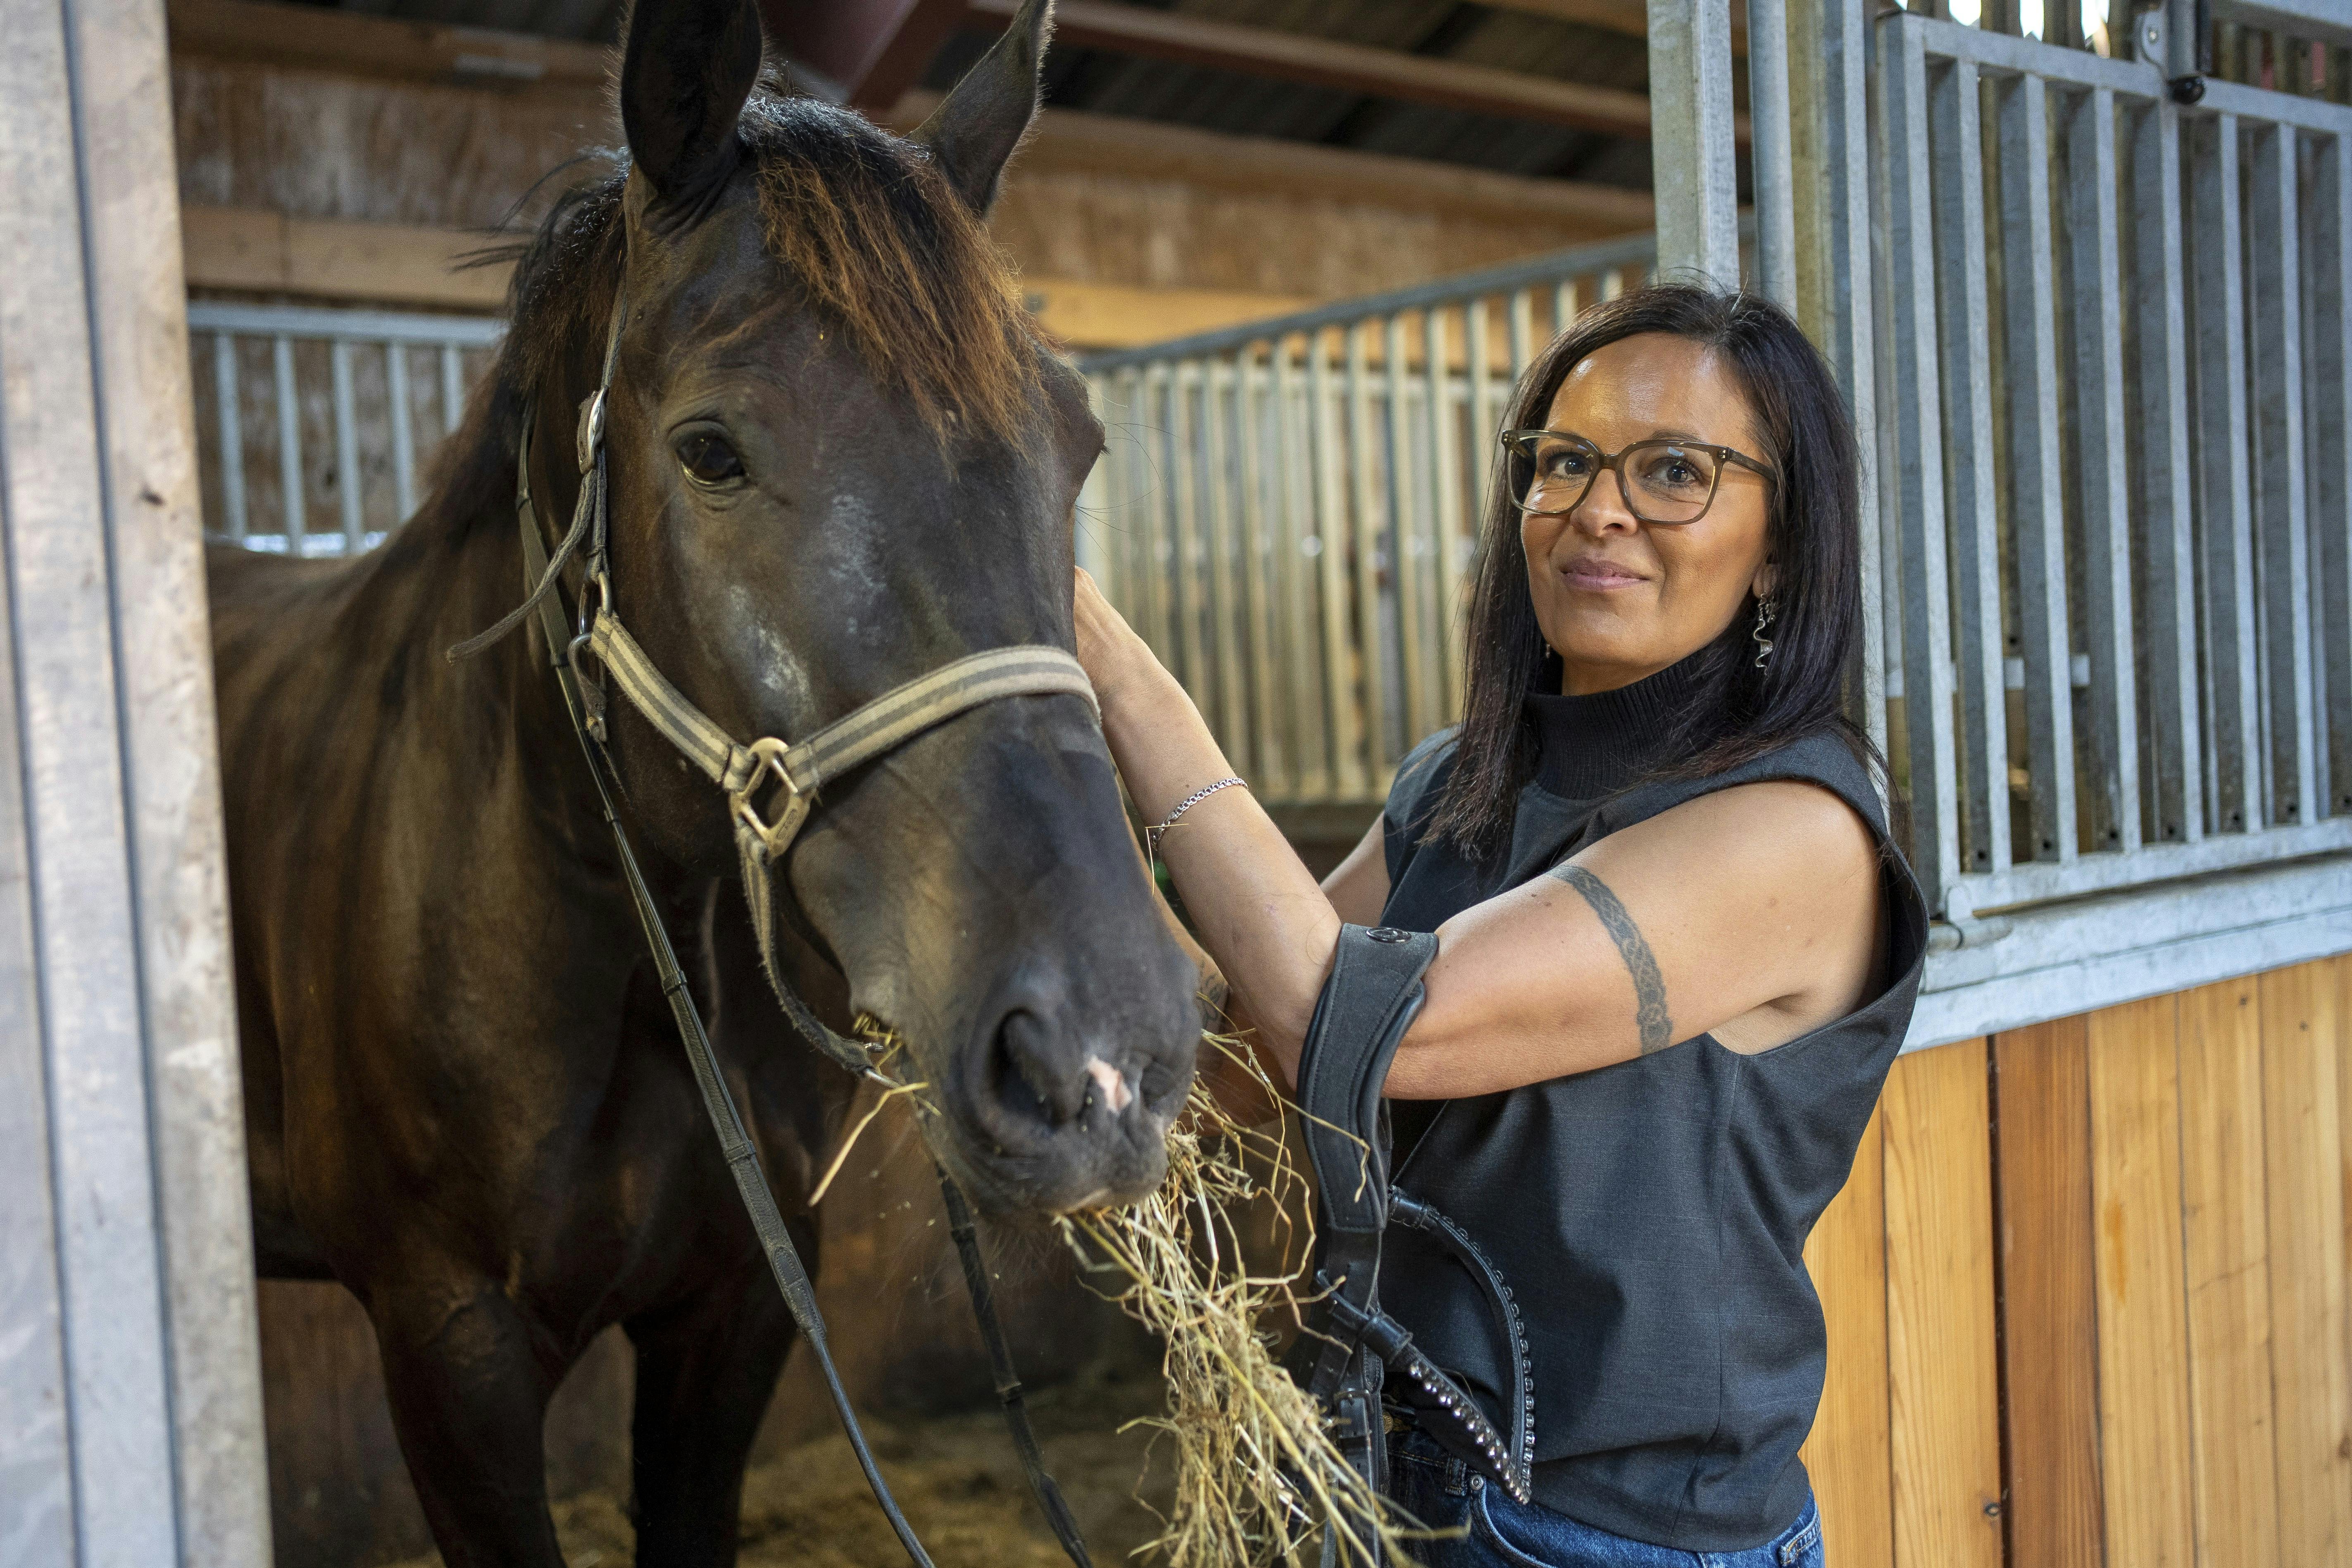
(1038, 1080)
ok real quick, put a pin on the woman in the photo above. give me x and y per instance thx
(1676, 951)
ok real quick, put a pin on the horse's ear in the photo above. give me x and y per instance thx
(690, 65)
(973, 132)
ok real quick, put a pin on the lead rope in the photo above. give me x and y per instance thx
(735, 1143)
(879, 727)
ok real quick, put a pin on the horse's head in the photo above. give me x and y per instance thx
(840, 458)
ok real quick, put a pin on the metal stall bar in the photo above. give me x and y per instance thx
(1848, 332)
(404, 431)
(1692, 160)
(1421, 693)
(1365, 546)
(2280, 494)
(1771, 164)
(1485, 423)
(2037, 470)
(1122, 513)
(1919, 468)
(452, 390)
(1446, 501)
(228, 415)
(1190, 569)
(1295, 489)
(1965, 352)
(347, 446)
(1162, 560)
(1226, 599)
(1086, 514)
(289, 442)
(2166, 489)
(1259, 544)
(2103, 459)
(1349, 702)
(130, 1404)
(2234, 765)
(2330, 233)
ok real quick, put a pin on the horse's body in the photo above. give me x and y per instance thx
(465, 1095)
(465, 1099)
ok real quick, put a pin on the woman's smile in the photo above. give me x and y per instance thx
(1597, 575)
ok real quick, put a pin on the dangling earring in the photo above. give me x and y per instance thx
(1765, 608)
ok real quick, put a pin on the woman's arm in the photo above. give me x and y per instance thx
(1752, 913)
(1269, 928)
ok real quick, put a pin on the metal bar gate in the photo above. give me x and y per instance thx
(2101, 341)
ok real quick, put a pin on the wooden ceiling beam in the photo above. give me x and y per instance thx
(1332, 62)
(1073, 140)
(314, 38)
(873, 51)
(318, 39)
(1631, 17)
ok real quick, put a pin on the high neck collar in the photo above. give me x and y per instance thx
(1593, 745)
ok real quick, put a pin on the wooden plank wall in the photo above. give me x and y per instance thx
(2087, 1296)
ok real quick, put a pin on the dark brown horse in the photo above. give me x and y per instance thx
(839, 459)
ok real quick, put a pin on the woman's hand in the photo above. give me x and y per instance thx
(1109, 648)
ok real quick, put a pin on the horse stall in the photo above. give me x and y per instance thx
(2086, 1290)
(336, 170)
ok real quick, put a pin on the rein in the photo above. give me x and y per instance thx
(772, 786)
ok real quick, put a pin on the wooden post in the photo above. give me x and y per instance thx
(130, 1401)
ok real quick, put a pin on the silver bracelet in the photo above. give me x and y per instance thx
(1151, 835)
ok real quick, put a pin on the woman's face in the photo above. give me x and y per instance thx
(1617, 599)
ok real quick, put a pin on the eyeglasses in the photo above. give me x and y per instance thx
(1669, 483)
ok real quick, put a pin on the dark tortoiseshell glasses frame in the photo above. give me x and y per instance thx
(1521, 446)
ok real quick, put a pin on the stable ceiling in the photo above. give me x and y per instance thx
(1543, 88)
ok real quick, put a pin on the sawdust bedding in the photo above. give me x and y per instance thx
(957, 1477)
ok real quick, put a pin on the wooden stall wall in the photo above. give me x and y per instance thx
(2085, 1294)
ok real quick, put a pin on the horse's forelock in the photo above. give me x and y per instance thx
(870, 227)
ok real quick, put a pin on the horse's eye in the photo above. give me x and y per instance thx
(707, 459)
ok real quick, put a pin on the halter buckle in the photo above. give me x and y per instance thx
(791, 812)
(592, 429)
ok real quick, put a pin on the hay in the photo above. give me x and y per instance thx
(1257, 1479)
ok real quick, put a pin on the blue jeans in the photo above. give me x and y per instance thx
(1496, 1532)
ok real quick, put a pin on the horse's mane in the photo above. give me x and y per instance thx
(865, 223)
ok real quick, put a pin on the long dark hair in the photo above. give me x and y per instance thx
(1813, 538)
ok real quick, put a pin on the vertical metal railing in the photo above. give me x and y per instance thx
(2104, 339)
(2118, 339)
(1287, 510)
(314, 425)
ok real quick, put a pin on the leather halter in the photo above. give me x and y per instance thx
(789, 776)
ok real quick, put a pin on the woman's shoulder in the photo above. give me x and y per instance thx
(1829, 758)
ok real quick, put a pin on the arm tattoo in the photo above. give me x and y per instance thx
(1657, 1030)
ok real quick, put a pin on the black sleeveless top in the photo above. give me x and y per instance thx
(1650, 1216)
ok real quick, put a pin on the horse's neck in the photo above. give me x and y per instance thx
(439, 581)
